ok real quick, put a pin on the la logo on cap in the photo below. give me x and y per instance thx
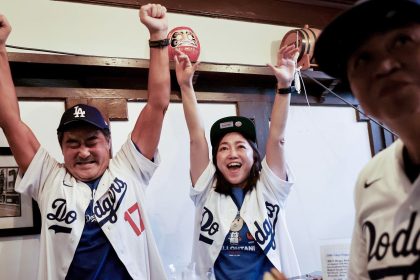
(79, 112)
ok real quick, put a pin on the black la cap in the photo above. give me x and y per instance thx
(82, 113)
(226, 125)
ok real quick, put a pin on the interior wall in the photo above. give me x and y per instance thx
(320, 151)
(117, 32)
(19, 254)
(326, 147)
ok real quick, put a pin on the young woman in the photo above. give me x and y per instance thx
(240, 226)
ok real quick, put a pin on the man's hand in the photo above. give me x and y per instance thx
(5, 30)
(153, 16)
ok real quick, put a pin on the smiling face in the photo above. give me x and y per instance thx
(384, 74)
(86, 152)
(235, 158)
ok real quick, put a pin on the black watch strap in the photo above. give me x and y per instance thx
(159, 43)
(287, 90)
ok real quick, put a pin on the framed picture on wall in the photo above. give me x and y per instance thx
(19, 213)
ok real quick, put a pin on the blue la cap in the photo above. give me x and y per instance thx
(82, 113)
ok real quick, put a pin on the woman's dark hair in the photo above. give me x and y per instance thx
(223, 186)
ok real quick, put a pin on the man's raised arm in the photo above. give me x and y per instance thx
(22, 141)
(147, 130)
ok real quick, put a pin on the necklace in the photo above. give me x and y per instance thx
(237, 223)
(237, 197)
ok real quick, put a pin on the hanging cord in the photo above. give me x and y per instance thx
(298, 80)
(348, 103)
(302, 83)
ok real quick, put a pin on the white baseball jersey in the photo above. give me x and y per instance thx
(386, 237)
(262, 210)
(118, 208)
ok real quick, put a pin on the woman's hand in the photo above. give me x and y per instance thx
(285, 68)
(184, 69)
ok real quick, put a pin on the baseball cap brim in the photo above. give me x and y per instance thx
(339, 39)
(77, 123)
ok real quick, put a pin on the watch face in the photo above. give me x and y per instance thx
(184, 39)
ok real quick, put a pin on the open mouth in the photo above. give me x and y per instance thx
(234, 166)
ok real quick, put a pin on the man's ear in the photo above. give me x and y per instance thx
(109, 147)
(60, 144)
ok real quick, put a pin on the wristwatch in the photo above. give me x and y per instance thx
(159, 43)
(287, 90)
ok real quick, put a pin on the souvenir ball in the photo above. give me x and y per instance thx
(184, 39)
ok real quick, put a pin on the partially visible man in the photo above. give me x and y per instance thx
(375, 47)
(94, 225)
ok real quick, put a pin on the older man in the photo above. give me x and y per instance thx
(88, 230)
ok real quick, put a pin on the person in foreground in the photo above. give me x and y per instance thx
(274, 274)
(94, 225)
(381, 63)
(240, 228)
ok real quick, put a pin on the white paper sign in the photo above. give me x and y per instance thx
(335, 255)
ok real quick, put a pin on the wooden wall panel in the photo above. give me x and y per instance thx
(111, 85)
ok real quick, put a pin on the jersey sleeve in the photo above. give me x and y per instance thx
(358, 257)
(33, 181)
(278, 187)
(198, 193)
(132, 160)
(358, 250)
